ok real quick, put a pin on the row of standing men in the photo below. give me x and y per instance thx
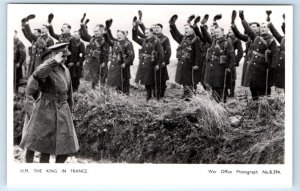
(210, 58)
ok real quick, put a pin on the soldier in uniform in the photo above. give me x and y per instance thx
(238, 54)
(97, 54)
(262, 62)
(220, 59)
(50, 129)
(249, 43)
(76, 67)
(39, 47)
(36, 33)
(163, 71)
(19, 59)
(204, 46)
(189, 58)
(280, 68)
(121, 59)
(151, 56)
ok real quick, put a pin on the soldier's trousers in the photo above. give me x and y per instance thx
(17, 78)
(259, 92)
(45, 158)
(218, 94)
(75, 83)
(29, 156)
(126, 85)
(150, 89)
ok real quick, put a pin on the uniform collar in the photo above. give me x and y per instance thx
(221, 39)
(190, 36)
(150, 39)
(266, 36)
(66, 34)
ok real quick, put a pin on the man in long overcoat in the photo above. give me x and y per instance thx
(151, 56)
(50, 129)
(189, 58)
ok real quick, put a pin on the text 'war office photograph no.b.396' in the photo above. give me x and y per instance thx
(163, 84)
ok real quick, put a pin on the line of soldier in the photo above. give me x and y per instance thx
(209, 58)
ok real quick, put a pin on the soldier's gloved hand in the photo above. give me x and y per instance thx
(241, 15)
(18, 65)
(71, 64)
(50, 18)
(268, 15)
(217, 17)
(204, 20)
(197, 19)
(195, 67)
(103, 65)
(163, 64)
(190, 18)
(81, 21)
(134, 21)
(29, 17)
(233, 16)
(23, 21)
(283, 16)
(59, 57)
(156, 67)
(108, 23)
(123, 65)
(77, 64)
(173, 19)
(228, 70)
(140, 14)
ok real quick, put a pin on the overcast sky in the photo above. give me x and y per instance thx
(122, 16)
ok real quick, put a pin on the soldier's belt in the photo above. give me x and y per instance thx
(95, 53)
(146, 55)
(39, 50)
(258, 54)
(55, 97)
(213, 57)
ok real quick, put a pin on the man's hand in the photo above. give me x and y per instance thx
(228, 70)
(81, 21)
(134, 21)
(163, 64)
(18, 65)
(195, 67)
(204, 20)
(173, 19)
(103, 65)
(59, 57)
(29, 17)
(156, 67)
(241, 15)
(197, 20)
(71, 64)
(233, 16)
(123, 65)
(77, 64)
(50, 18)
(268, 15)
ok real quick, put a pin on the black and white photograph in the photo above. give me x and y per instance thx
(145, 84)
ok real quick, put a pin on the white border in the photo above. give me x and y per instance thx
(150, 175)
